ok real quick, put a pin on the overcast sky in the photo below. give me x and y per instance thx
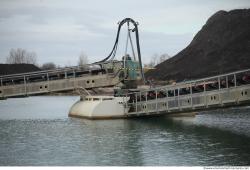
(59, 30)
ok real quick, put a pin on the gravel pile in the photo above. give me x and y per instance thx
(221, 46)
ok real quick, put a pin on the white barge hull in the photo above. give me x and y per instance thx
(99, 107)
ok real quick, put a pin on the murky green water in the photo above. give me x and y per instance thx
(38, 131)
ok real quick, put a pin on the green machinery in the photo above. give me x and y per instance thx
(129, 69)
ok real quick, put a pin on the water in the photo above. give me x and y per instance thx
(37, 131)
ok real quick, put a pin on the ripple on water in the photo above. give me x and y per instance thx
(42, 135)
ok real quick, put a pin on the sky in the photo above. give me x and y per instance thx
(60, 30)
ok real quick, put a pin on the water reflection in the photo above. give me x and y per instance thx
(47, 136)
(112, 142)
(192, 144)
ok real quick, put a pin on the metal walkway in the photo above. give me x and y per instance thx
(54, 81)
(110, 72)
(231, 89)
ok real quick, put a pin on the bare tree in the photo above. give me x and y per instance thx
(48, 66)
(153, 60)
(163, 57)
(83, 59)
(31, 58)
(157, 59)
(19, 56)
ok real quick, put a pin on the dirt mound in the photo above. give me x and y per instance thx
(222, 45)
(17, 68)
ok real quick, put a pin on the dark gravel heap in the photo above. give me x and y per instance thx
(221, 46)
(17, 68)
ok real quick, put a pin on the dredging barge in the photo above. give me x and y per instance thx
(232, 89)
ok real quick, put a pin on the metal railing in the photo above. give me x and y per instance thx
(215, 90)
(41, 76)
